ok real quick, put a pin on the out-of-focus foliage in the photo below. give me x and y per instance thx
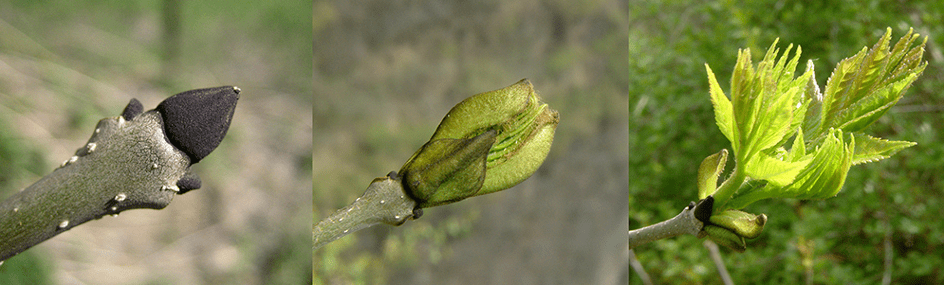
(896, 201)
(64, 65)
(386, 72)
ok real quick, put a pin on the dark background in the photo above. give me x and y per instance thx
(835, 241)
(385, 74)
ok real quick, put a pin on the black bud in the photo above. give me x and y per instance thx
(189, 181)
(417, 212)
(133, 109)
(704, 209)
(197, 120)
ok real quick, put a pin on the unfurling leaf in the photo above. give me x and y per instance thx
(771, 110)
(769, 106)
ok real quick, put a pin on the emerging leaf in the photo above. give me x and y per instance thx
(709, 172)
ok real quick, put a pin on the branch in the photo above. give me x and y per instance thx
(717, 259)
(689, 221)
(638, 268)
(887, 250)
(384, 201)
(134, 161)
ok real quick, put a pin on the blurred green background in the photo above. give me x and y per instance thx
(66, 64)
(835, 241)
(385, 74)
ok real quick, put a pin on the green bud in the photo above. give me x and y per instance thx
(448, 170)
(741, 223)
(724, 237)
(486, 143)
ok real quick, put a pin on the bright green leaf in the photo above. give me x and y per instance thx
(773, 170)
(815, 104)
(822, 178)
(724, 117)
(863, 87)
(868, 109)
(870, 149)
(798, 149)
(825, 176)
(767, 101)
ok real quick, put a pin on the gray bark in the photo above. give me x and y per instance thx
(127, 164)
(384, 201)
(689, 221)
